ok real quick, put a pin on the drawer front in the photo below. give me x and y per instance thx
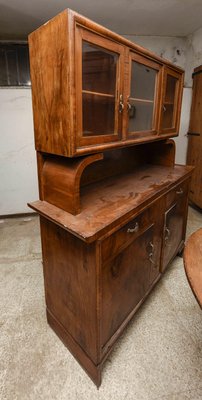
(124, 236)
(177, 193)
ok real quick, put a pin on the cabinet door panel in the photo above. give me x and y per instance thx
(171, 101)
(175, 219)
(143, 96)
(98, 88)
(125, 281)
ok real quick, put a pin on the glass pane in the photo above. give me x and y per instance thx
(140, 116)
(167, 121)
(98, 114)
(23, 65)
(98, 69)
(143, 81)
(3, 68)
(12, 67)
(170, 89)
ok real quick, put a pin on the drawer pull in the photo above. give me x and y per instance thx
(179, 191)
(133, 230)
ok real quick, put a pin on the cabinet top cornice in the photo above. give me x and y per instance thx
(76, 18)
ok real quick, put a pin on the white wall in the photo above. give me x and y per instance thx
(18, 178)
(194, 54)
(172, 48)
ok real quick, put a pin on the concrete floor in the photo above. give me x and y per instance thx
(159, 357)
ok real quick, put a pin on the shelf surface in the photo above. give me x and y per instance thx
(141, 100)
(98, 94)
(111, 202)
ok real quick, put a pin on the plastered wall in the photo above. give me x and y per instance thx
(18, 178)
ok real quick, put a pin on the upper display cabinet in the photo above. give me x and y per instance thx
(93, 90)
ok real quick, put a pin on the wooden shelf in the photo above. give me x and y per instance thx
(98, 94)
(110, 203)
(141, 100)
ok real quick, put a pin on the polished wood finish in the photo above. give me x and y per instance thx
(67, 125)
(171, 101)
(91, 256)
(61, 181)
(195, 139)
(113, 201)
(174, 222)
(113, 204)
(192, 263)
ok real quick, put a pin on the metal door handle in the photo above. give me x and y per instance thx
(135, 229)
(121, 105)
(179, 191)
(151, 245)
(193, 134)
(129, 107)
(151, 258)
(167, 231)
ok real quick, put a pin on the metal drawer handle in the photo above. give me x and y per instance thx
(179, 191)
(135, 229)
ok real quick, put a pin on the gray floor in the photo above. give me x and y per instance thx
(158, 357)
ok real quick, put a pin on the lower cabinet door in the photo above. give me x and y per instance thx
(126, 279)
(173, 231)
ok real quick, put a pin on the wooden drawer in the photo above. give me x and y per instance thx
(177, 193)
(124, 236)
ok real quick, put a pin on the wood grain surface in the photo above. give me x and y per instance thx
(109, 203)
(193, 263)
(195, 139)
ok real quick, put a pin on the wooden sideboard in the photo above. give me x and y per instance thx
(113, 204)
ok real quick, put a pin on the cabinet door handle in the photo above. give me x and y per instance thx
(129, 107)
(179, 191)
(167, 234)
(135, 229)
(151, 245)
(164, 108)
(167, 231)
(121, 105)
(151, 258)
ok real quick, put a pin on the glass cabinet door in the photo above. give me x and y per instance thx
(170, 102)
(98, 89)
(143, 96)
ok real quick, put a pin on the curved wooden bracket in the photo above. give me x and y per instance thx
(61, 181)
(162, 153)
